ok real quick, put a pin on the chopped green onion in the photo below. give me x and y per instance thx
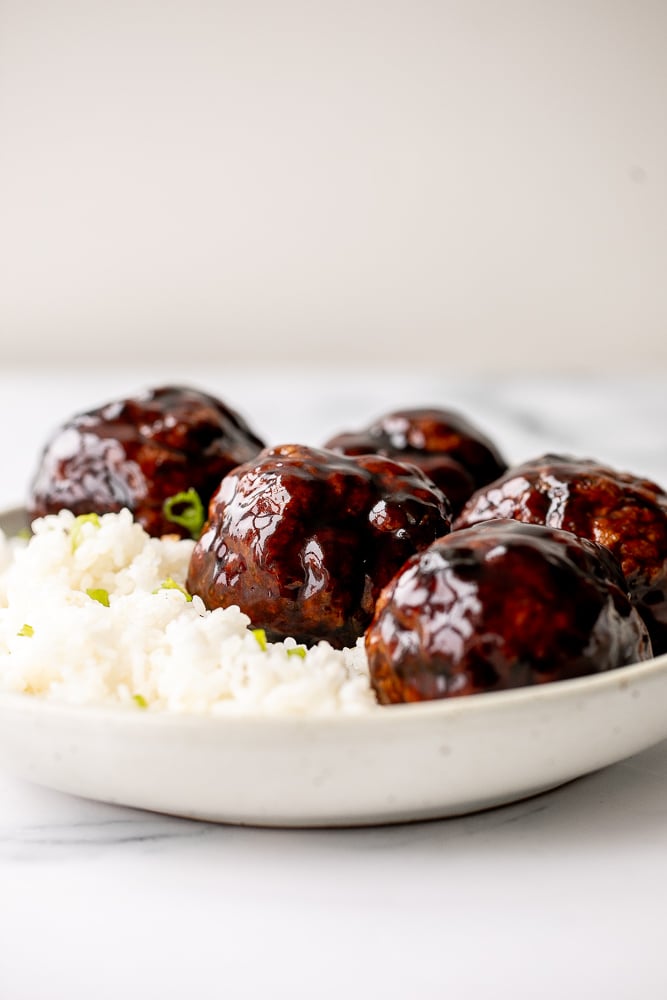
(186, 510)
(27, 630)
(25, 534)
(99, 595)
(170, 584)
(140, 700)
(77, 528)
(297, 651)
(260, 636)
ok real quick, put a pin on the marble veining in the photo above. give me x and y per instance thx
(33, 841)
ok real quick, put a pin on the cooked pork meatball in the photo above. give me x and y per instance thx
(138, 453)
(501, 605)
(457, 456)
(627, 514)
(303, 540)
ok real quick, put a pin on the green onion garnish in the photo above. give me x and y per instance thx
(170, 584)
(26, 630)
(25, 534)
(186, 510)
(140, 700)
(76, 532)
(297, 651)
(99, 595)
(260, 636)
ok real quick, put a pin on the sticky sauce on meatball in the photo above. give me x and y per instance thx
(138, 452)
(303, 539)
(455, 454)
(625, 513)
(497, 606)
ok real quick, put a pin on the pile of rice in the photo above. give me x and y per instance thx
(93, 610)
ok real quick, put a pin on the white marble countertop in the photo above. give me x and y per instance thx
(559, 896)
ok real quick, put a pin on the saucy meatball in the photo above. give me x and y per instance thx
(138, 453)
(457, 456)
(627, 514)
(303, 540)
(501, 605)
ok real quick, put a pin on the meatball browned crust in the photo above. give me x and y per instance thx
(455, 454)
(303, 540)
(139, 452)
(501, 605)
(627, 514)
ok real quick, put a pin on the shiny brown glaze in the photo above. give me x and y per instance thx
(303, 540)
(138, 452)
(501, 605)
(452, 452)
(627, 514)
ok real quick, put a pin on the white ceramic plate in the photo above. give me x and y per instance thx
(406, 762)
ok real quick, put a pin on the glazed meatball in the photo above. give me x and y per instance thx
(303, 540)
(501, 605)
(627, 514)
(457, 456)
(138, 453)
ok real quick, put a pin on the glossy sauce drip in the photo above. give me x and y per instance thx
(303, 540)
(452, 452)
(498, 606)
(625, 513)
(138, 452)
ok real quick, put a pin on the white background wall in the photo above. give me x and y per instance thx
(472, 185)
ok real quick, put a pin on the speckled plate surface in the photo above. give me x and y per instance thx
(406, 762)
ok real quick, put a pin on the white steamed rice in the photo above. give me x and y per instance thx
(151, 648)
